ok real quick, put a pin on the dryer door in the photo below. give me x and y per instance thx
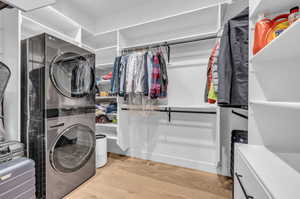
(73, 148)
(72, 75)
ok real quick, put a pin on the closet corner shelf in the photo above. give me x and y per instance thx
(268, 7)
(284, 47)
(275, 104)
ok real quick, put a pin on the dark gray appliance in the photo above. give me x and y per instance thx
(58, 113)
(70, 155)
(17, 179)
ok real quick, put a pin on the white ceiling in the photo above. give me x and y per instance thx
(105, 15)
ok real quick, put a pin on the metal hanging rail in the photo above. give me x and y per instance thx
(171, 43)
(240, 115)
(169, 111)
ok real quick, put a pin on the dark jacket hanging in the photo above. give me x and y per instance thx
(233, 62)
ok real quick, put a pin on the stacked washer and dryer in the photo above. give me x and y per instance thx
(58, 113)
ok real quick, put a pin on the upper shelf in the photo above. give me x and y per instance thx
(198, 23)
(55, 20)
(30, 27)
(285, 47)
(29, 5)
(102, 40)
(268, 7)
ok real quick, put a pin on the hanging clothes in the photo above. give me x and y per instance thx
(140, 74)
(233, 62)
(212, 76)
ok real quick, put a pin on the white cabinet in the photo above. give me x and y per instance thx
(27, 5)
(246, 184)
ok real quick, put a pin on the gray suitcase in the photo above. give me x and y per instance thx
(11, 150)
(17, 179)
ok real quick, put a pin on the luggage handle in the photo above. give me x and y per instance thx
(9, 152)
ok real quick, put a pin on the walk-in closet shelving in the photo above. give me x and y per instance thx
(174, 28)
(188, 62)
(105, 57)
(53, 19)
(99, 40)
(274, 103)
(268, 7)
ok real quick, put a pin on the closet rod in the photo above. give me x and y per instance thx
(157, 45)
(169, 111)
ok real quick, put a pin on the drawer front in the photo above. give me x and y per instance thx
(246, 184)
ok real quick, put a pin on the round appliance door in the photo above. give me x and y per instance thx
(72, 75)
(73, 149)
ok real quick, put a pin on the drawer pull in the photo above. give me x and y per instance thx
(238, 177)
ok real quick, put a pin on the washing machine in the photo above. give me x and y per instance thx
(69, 72)
(58, 113)
(70, 153)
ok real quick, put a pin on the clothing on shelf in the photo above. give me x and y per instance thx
(140, 74)
(228, 65)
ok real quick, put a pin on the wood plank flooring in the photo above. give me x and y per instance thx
(131, 178)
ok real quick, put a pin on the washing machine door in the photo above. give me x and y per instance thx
(72, 75)
(73, 148)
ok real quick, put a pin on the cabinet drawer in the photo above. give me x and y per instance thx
(246, 184)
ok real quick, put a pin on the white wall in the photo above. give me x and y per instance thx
(11, 57)
(189, 140)
(149, 11)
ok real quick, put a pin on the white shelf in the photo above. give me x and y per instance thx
(55, 20)
(190, 63)
(277, 124)
(283, 48)
(105, 65)
(282, 105)
(103, 40)
(197, 23)
(106, 56)
(107, 125)
(108, 98)
(268, 7)
(30, 27)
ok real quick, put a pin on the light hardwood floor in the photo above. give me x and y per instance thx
(131, 178)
